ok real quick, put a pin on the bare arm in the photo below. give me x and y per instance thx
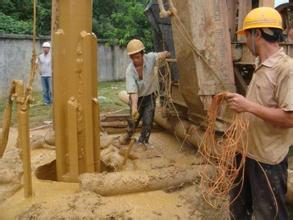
(134, 100)
(275, 116)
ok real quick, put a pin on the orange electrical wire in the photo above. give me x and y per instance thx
(221, 154)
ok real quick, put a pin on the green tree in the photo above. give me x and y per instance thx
(44, 8)
(121, 20)
(11, 25)
(20, 12)
(117, 21)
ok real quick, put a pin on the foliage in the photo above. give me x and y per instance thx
(117, 21)
(10, 25)
(18, 13)
(121, 20)
(44, 17)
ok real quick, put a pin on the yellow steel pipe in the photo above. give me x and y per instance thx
(6, 127)
(23, 136)
(75, 75)
(73, 140)
(6, 121)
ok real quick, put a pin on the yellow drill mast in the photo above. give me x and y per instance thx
(76, 109)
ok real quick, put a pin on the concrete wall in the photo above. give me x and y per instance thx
(112, 61)
(15, 58)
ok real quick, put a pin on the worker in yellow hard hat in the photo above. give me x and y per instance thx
(268, 106)
(141, 85)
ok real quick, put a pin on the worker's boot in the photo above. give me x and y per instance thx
(124, 139)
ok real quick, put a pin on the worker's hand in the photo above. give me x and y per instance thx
(168, 54)
(163, 55)
(134, 114)
(237, 102)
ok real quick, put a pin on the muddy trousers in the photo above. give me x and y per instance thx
(259, 198)
(146, 107)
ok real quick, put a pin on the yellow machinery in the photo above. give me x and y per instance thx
(76, 107)
(210, 58)
(202, 34)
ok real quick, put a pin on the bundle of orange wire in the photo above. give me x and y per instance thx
(220, 153)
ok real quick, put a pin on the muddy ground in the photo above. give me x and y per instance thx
(58, 200)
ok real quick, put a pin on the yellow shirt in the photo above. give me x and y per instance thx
(271, 86)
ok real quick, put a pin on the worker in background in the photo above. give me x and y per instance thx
(141, 85)
(45, 69)
(268, 107)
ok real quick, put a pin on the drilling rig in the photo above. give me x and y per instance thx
(207, 58)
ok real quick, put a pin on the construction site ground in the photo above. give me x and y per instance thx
(60, 200)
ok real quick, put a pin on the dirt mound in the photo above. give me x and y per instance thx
(10, 173)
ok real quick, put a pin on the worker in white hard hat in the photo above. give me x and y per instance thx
(45, 69)
(268, 107)
(141, 85)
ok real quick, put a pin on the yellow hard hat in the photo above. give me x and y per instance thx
(262, 17)
(134, 46)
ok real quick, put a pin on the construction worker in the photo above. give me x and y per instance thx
(45, 70)
(141, 85)
(268, 107)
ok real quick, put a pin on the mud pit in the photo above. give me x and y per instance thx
(60, 200)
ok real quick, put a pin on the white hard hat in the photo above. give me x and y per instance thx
(46, 44)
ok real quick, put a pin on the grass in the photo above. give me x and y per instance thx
(107, 94)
